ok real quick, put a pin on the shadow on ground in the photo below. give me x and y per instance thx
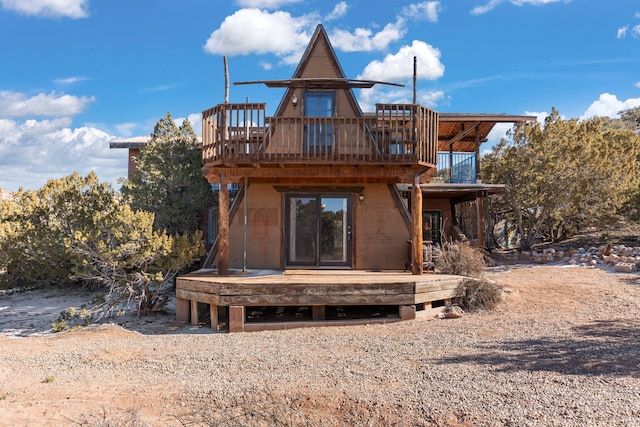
(601, 347)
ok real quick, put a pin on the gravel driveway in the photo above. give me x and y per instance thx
(562, 350)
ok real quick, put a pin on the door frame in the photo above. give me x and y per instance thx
(349, 229)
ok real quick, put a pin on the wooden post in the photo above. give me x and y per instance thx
(223, 227)
(236, 318)
(407, 312)
(478, 175)
(318, 312)
(213, 311)
(182, 310)
(194, 313)
(226, 79)
(481, 221)
(416, 222)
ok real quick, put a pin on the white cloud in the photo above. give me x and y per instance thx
(278, 33)
(622, 32)
(70, 80)
(265, 65)
(365, 40)
(431, 98)
(286, 36)
(396, 95)
(637, 84)
(195, 119)
(541, 116)
(15, 104)
(74, 9)
(161, 88)
(32, 152)
(428, 10)
(537, 2)
(635, 31)
(265, 4)
(126, 130)
(399, 66)
(479, 10)
(338, 11)
(608, 105)
(500, 130)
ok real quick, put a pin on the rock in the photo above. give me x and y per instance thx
(625, 267)
(453, 312)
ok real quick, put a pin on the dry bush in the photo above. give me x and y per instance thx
(478, 294)
(264, 407)
(253, 408)
(113, 418)
(460, 259)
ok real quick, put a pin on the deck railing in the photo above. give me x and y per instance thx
(456, 168)
(242, 134)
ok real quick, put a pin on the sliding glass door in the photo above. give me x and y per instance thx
(318, 230)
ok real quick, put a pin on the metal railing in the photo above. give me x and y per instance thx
(456, 168)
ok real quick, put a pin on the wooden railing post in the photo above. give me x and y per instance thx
(416, 222)
(223, 226)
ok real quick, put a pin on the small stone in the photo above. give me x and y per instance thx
(453, 312)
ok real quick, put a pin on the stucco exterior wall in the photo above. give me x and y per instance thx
(264, 225)
(379, 232)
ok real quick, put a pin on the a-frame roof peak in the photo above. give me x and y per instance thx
(319, 40)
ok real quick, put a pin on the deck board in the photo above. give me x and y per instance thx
(315, 287)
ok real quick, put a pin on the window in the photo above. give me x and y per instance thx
(431, 226)
(318, 133)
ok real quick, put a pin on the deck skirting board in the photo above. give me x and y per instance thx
(317, 290)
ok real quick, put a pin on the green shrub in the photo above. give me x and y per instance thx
(460, 259)
(478, 294)
(71, 319)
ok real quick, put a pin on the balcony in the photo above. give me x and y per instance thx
(456, 168)
(235, 135)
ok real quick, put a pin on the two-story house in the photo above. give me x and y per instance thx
(324, 186)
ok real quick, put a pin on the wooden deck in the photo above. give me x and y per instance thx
(229, 296)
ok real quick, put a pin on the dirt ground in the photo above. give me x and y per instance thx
(32, 392)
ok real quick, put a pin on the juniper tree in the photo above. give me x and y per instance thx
(168, 180)
(564, 175)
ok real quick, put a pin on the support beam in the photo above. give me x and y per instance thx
(318, 312)
(402, 208)
(223, 226)
(213, 312)
(466, 131)
(481, 221)
(236, 318)
(182, 310)
(416, 234)
(194, 313)
(478, 175)
(407, 312)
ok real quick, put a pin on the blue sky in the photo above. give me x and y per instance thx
(76, 74)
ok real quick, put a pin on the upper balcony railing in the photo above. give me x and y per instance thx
(456, 168)
(236, 134)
